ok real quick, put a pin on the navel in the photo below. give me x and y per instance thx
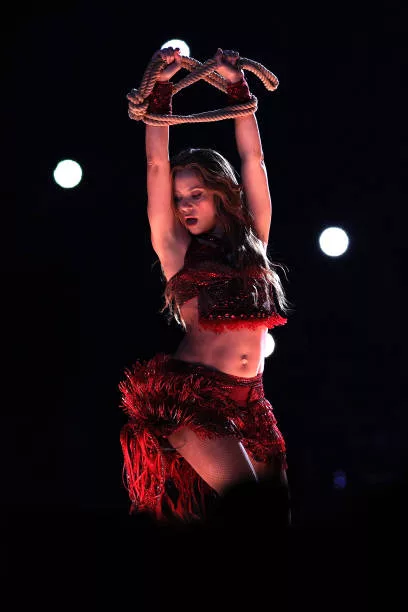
(244, 360)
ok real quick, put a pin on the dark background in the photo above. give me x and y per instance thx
(334, 138)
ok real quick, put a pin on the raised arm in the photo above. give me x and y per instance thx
(253, 174)
(164, 227)
(248, 140)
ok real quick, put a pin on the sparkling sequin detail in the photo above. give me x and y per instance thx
(160, 99)
(163, 394)
(238, 92)
(225, 301)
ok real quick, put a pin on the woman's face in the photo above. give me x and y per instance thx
(194, 202)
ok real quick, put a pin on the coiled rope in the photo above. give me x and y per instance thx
(138, 98)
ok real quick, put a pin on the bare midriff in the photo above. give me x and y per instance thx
(238, 352)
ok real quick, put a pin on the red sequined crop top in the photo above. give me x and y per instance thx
(224, 302)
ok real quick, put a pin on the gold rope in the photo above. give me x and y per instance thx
(139, 98)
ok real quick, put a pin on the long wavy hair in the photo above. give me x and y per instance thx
(243, 247)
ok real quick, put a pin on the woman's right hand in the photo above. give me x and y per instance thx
(172, 58)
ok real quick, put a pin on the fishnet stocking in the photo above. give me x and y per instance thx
(221, 462)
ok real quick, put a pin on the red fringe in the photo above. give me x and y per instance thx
(218, 326)
(164, 394)
(225, 301)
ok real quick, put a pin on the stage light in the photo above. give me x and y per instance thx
(270, 345)
(333, 241)
(339, 479)
(175, 42)
(68, 173)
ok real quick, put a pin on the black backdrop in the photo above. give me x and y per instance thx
(88, 297)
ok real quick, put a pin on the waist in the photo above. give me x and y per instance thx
(238, 353)
(241, 389)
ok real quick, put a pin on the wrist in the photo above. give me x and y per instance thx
(237, 79)
(160, 99)
(238, 91)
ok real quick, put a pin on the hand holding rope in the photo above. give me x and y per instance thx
(139, 98)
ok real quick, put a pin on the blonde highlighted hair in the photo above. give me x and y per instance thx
(244, 247)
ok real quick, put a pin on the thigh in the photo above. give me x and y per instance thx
(269, 471)
(221, 461)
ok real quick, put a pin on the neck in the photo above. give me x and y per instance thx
(217, 230)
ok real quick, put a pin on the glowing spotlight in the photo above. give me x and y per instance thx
(68, 173)
(333, 241)
(270, 345)
(175, 42)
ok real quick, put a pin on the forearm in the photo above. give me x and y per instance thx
(158, 181)
(248, 138)
(157, 136)
(157, 144)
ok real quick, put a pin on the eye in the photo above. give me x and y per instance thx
(196, 195)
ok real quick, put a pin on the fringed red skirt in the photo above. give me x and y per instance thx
(164, 394)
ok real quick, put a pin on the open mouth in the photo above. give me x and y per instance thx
(191, 221)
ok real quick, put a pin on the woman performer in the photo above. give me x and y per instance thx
(199, 423)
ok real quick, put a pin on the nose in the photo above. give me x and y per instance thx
(185, 205)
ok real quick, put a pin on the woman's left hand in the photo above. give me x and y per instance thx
(226, 65)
